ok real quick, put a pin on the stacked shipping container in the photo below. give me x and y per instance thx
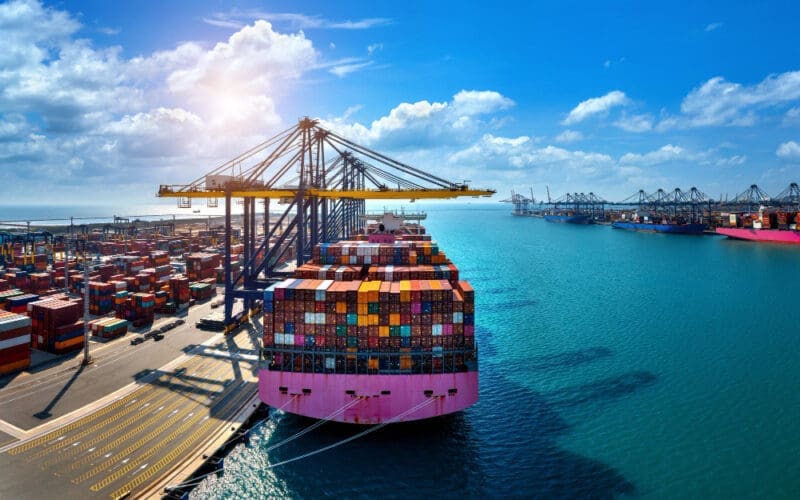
(56, 325)
(201, 266)
(410, 304)
(15, 339)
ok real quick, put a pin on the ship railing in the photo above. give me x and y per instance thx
(302, 360)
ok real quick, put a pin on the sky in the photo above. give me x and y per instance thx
(104, 101)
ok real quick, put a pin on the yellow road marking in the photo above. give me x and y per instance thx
(155, 397)
(155, 468)
(62, 430)
(50, 436)
(175, 452)
(160, 394)
(152, 392)
(124, 453)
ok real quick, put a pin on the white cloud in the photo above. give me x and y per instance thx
(662, 155)
(224, 23)
(595, 105)
(72, 111)
(714, 26)
(569, 136)
(374, 48)
(237, 19)
(346, 69)
(475, 102)
(12, 127)
(792, 116)
(423, 123)
(788, 151)
(721, 103)
(635, 123)
(250, 60)
(608, 62)
(109, 31)
(731, 161)
(671, 154)
(160, 132)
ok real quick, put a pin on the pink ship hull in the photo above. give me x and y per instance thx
(331, 392)
(770, 235)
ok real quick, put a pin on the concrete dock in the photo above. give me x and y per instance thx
(139, 418)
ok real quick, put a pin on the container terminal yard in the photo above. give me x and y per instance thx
(131, 351)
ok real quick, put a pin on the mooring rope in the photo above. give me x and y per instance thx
(199, 479)
(356, 436)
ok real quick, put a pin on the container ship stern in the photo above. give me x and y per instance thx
(371, 331)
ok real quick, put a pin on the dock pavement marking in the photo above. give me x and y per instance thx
(138, 444)
(119, 473)
(83, 420)
(146, 393)
(155, 468)
(62, 430)
(109, 446)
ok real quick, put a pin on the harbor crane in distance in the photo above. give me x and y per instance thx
(323, 179)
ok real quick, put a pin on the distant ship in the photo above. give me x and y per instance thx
(772, 227)
(769, 235)
(569, 219)
(668, 227)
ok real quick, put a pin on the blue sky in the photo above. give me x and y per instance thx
(100, 100)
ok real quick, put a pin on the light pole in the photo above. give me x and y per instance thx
(87, 359)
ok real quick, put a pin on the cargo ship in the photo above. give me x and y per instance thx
(568, 219)
(764, 235)
(669, 227)
(378, 329)
(764, 226)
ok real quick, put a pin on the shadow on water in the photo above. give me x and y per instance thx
(569, 359)
(505, 445)
(485, 341)
(601, 390)
(515, 305)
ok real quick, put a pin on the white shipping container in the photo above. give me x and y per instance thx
(21, 340)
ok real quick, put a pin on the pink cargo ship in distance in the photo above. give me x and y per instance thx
(765, 226)
(375, 330)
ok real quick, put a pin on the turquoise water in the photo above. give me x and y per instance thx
(612, 364)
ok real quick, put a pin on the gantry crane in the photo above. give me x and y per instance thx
(323, 179)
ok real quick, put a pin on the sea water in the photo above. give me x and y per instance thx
(612, 363)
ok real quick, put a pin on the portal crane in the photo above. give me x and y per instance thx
(323, 179)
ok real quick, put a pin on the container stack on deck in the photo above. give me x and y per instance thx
(15, 339)
(328, 272)
(411, 300)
